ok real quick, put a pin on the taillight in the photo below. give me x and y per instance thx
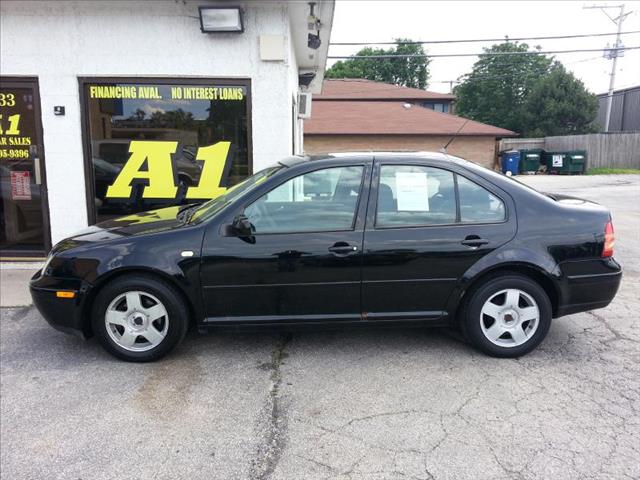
(609, 240)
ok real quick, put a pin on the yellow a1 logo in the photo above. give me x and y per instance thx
(160, 172)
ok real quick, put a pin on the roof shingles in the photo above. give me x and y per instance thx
(362, 89)
(391, 117)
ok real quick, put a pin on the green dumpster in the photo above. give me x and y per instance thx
(577, 162)
(567, 163)
(531, 160)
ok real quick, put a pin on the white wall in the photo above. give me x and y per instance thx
(63, 40)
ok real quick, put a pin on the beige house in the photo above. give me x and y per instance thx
(357, 114)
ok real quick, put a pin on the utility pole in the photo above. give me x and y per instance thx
(613, 53)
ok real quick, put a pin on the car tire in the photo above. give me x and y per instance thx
(139, 318)
(506, 316)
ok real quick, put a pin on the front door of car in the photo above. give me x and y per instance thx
(426, 227)
(302, 261)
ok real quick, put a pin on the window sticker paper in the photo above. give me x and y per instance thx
(412, 191)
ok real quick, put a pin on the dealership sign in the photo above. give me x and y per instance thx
(163, 142)
(160, 172)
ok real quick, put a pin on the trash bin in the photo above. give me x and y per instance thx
(567, 163)
(577, 162)
(555, 161)
(531, 160)
(511, 162)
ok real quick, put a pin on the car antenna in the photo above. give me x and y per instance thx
(444, 148)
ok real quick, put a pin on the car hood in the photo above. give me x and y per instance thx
(143, 223)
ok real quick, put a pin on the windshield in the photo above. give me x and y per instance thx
(210, 208)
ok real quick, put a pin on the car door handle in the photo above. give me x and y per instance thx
(474, 241)
(343, 249)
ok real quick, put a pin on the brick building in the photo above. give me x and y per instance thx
(356, 115)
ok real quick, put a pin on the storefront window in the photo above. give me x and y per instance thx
(165, 143)
(23, 229)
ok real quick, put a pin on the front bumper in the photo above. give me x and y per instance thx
(63, 314)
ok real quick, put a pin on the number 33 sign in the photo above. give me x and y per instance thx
(160, 172)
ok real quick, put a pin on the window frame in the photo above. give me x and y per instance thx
(85, 126)
(379, 176)
(354, 221)
(458, 222)
(458, 212)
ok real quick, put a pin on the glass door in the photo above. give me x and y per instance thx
(23, 204)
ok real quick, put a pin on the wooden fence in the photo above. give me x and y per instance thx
(612, 150)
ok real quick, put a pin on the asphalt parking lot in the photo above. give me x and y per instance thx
(357, 404)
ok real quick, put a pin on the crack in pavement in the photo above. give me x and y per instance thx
(616, 334)
(273, 427)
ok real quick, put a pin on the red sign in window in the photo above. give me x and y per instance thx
(20, 186)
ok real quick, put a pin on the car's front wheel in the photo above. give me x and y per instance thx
(507, 316)
(139, 318)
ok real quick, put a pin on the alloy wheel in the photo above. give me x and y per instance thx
(136, 321)
(509, 318)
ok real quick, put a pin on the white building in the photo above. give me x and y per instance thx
(88, 87)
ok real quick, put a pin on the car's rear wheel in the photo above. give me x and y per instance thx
(139, 318)
(507, 316)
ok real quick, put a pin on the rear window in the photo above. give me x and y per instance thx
(477, 204)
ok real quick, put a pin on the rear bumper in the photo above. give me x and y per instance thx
(589, 285)
(64, 314)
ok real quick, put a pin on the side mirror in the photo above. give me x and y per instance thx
(241, 226)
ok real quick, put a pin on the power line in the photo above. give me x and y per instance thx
(508, 70)
(479, 40)
(444, 55)
(590, 59)
(347, 96)
(507, 76)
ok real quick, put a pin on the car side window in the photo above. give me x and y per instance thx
(412, 195)
(323, 200)
(477, 204)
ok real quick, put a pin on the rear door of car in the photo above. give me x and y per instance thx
(417, 249)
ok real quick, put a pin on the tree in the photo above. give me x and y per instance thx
(407, 72)
(559, 104)
(533, 95)
(496, 89)
(178, 119)
(139, 114)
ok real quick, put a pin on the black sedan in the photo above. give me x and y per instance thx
(350, 239)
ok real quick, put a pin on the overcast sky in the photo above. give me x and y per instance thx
(357, 21)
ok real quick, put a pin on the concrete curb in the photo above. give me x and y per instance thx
(14, 284)
(33, 266)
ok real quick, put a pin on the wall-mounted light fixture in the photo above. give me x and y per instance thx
(225, 19)
(313, 40)
(313, 22)
(305, 79)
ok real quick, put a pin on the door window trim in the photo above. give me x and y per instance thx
(455, 173)
(355, 211)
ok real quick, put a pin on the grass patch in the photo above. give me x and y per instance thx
(612, 171)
